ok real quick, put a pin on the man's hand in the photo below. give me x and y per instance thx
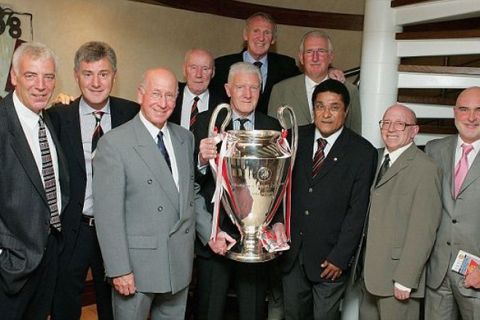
(63, 99)
(336, 74)
(472, 280)
(208, 150)
(331, 271)
(222, 244)
(401, 294)
(125, 285)
(279, 230)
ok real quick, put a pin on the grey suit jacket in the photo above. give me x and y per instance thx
(459, 229)
(404, 215)
(292, 91)
(144, 224)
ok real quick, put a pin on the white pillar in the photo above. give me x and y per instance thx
(379, 66)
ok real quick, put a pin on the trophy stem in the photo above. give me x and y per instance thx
(250, 248)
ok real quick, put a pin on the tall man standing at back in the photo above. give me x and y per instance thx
(315, 55)
(449, 294)
(79, 126)
(33, 188)
(194, 96)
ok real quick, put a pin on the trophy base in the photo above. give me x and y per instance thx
(251, 257)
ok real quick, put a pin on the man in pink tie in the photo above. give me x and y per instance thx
(450, 294)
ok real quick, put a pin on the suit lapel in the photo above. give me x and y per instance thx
(75, 133)
(148, 151)
(301, 97)
(334, 156)
(472, 174)
(181, 158)
(401, 163)
(305, 152)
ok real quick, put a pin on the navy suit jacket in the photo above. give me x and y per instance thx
(66, 123)
(24, 212)
(280, 67)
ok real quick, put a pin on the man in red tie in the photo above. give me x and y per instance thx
(450, 294)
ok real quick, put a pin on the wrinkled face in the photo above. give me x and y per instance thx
(393, 138)
(244, 91)
(315, 58)
(35, 82)
(157, 96)
(95, 80)
(198, 71)
(259, 37)
(467, 115)
(329, 113)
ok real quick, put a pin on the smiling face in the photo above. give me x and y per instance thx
(316, 57)
(156, 96)
(329, 112)
(34, 82)
(395, 139)
(198, 70)
(95, 80)
(259, 36)
(467, 114)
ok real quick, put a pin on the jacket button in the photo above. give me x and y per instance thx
(310, 190)
(448, 243)
(307, 212)
(187, 231)
(191, 203)
(149, 181)
(454, 221)
(160, 209)
(300, 233)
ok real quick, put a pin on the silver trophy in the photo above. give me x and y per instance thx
(253, 167)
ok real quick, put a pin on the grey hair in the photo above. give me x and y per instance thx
(244, 67)
(266, 17)
(316, 34)
(35, 50)
(94, 51)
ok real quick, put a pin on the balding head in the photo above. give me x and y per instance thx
(467, 114)
(198, 69)
(398, 127)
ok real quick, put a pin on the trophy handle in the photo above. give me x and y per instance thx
(213, 119)
(293, 120)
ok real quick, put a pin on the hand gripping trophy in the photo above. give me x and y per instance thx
(253, 176)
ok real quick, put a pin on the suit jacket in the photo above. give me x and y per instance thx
(405, 210)
(66, 122)
(207, 181)
(292, 91)
(24, 212)
(460, 219)
(280, 67)
(214, 99)
(328, 211)
(144, 224)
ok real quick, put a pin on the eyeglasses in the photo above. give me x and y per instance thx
(397, 125)
(321, 52)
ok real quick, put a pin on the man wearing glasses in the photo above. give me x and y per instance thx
(404, 214)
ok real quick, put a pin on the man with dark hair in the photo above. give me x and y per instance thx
(79, 126)
(333, 172)
(33, 188)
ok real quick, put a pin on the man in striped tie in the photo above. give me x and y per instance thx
(33, 188)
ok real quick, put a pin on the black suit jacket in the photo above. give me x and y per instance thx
(207, 182)
(214, 99)
(24, 212)
(280, 67)
(66, 123)
(328, 211)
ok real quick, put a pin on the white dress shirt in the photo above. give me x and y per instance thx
(202, 105)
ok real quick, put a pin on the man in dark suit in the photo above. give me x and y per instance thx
(404, 214)
(333, 172)
(259, 34)
(76, 126)
(215, 272)
(194, 96)
(33, 188)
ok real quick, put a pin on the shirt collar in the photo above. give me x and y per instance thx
(189, 95)
(475, 145)
(247, 57)
(331, 138)
(23, 112)
(394, 155)
(151, 128)
(311, 84)
(85, 109)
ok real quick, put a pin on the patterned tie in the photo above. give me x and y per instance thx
(383, 169)
(48, 175)
(97, 132)
(461, 168)
(242, 122)
(163, 150)
(318, 157)
(258, 64)
(194, 112)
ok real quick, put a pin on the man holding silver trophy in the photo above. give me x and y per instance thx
(252, 182)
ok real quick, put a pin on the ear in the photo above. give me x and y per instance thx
(76, 76)
(245, 35)
(184, 67)
(227, 90)
(300, 58)
(13, 77)
(140, 94)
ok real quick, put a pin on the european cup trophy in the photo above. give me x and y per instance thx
(252, 173)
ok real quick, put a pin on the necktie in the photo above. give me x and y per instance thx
(242, 122)
(48, 176)
(97, 132)
(163, 150)
(383, 169)
(258, 64)
(194, 112)
(461, 168)
(318, 157)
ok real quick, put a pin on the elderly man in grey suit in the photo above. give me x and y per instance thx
(404, 214)
(315, 55)
(450, 294)
(147, 208)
